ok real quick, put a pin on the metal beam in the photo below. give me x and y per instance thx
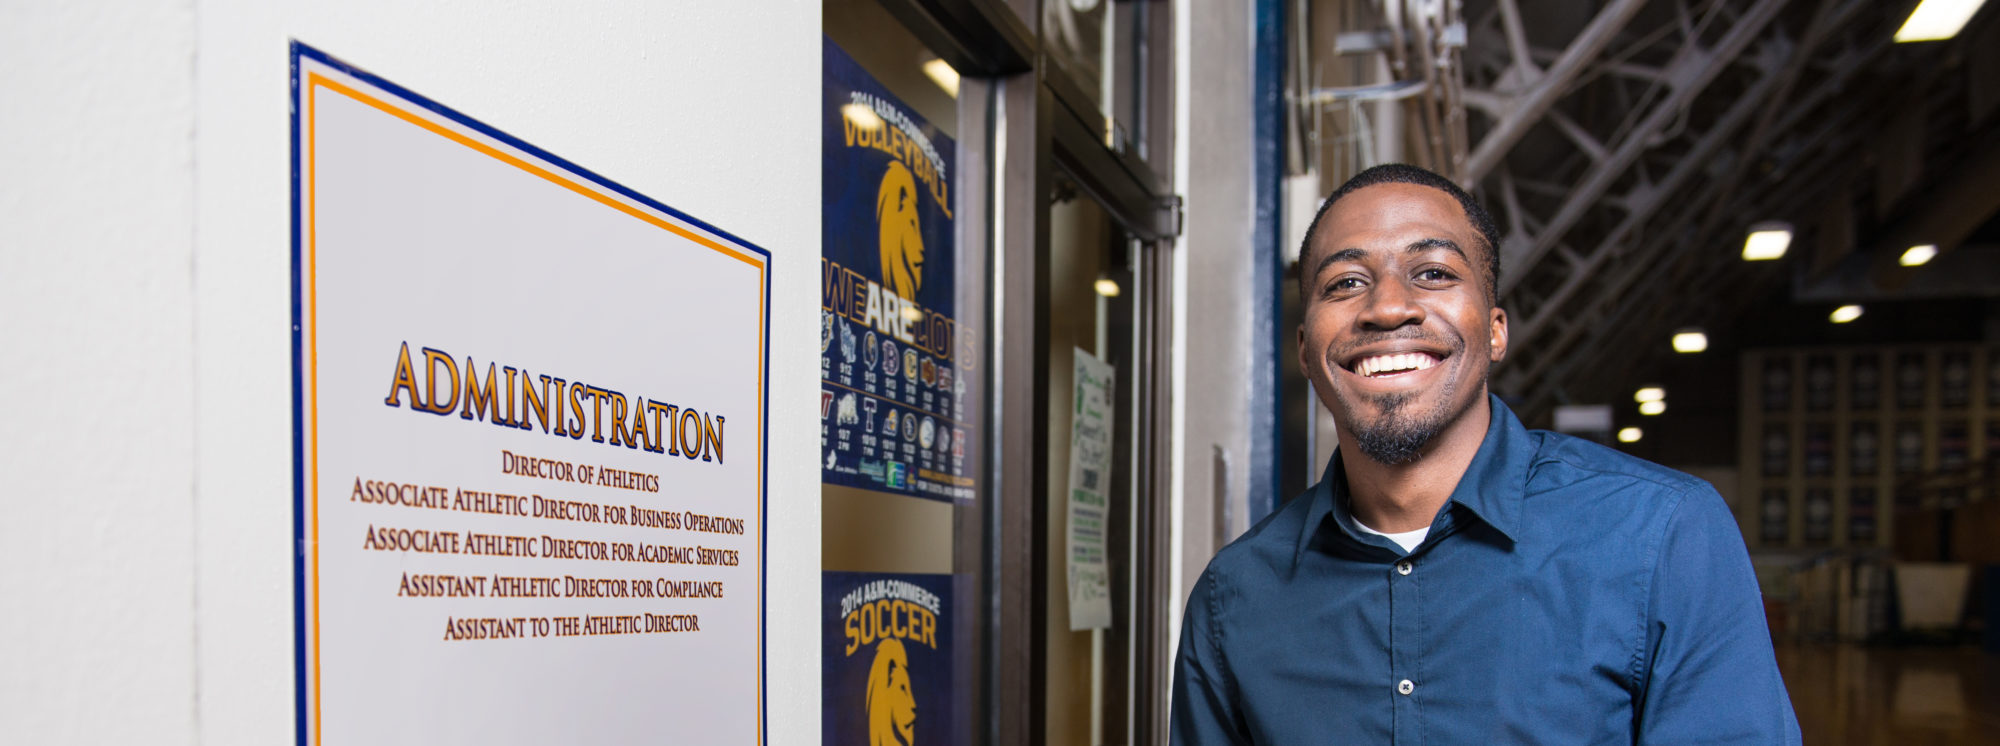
(1528, 107)
(1664, 262)
(1637, 141)
(1675, 263)
(1631, 310)
(1581, 137)
(1524, 68)
(1694, 162)
(1660, 255)
(1955, 204)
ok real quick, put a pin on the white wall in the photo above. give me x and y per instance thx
(144, 212)
(1212, 304)
(96, 320)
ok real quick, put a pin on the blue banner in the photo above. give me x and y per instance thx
(893, 394)
(888, 659)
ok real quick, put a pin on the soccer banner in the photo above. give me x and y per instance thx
(888, 659)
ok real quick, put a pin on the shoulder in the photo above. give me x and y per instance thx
(1564, 460)
(1575, 484)
(1264, 553)
(1270, 544)
(1579, 469)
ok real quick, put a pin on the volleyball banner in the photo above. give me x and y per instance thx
(897, 383)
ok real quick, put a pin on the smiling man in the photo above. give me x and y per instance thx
(1455, 578)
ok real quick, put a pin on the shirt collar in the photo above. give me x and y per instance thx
(1491, 488)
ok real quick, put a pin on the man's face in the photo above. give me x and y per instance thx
(1398, 333)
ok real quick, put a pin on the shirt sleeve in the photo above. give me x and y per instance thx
(1204, 704)
(1708, 672)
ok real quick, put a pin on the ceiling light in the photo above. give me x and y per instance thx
(1917, 255)
(1768, 240)
(1630, 435)
(862, 116)
(1935, 20)
(1649, 393)
(1652, 408)
(1690, 340)
(1845, 314)
(1107, 287)
(941, 73)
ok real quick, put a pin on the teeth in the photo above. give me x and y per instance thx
(1380, 364)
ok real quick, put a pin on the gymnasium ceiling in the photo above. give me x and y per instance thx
(1626, 147)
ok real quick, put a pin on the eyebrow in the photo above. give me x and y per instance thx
(1421, 245)
(1438, 243)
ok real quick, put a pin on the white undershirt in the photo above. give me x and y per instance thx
(1408, 540)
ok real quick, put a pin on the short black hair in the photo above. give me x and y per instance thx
(1403, 173)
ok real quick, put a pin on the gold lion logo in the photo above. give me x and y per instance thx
(892, 709)
(902, 241)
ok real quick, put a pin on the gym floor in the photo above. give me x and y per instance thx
(1900, 695)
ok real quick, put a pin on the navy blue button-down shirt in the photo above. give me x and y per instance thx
(1566, 594)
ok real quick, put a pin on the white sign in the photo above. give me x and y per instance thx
(530, 437)
(1089, 484)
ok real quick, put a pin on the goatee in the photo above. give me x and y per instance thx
(1394, 439)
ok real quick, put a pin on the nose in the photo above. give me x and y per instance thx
(1391, 305)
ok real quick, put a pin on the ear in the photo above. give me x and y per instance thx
(1498, 322)
(1304, 355)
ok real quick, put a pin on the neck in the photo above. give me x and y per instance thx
(1406, 497)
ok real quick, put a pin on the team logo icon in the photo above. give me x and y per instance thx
(957, 443)
(930, 373)
(943, 440)
(831, 460)
(889, 424)
(909, 426)
(869, 350)
(902, 238)
(825, 331)
(958, 392)
(847, 343)
(847, 414)
(890, 361)
(825, 403)
(892, 708)
(910, 364)
(928, 434)
(867, 408)
(944, 378)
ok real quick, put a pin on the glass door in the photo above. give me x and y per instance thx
(1088, 495)
(1104, 501)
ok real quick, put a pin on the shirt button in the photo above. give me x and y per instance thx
(1405, 687)
(1404, 567)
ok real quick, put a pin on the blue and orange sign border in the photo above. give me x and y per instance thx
(565, 174)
